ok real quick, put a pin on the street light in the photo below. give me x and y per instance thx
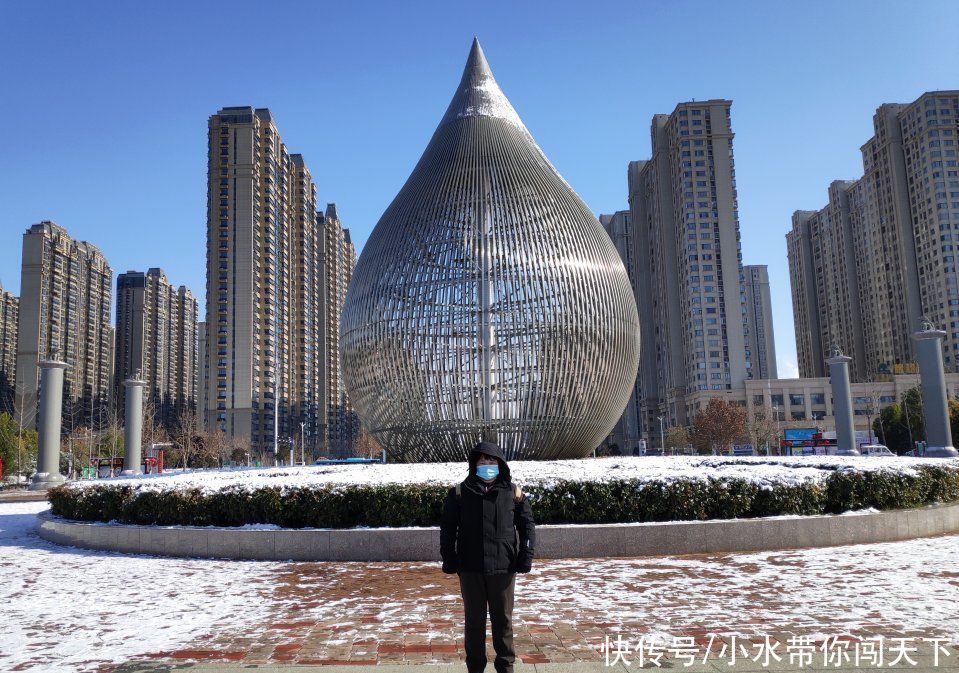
(302, 444)
(662, 435)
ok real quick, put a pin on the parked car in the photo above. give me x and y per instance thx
(875, 450)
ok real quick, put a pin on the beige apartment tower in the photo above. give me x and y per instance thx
(882, 253)
(9, 318)
(628, 430)
(268, 320)
(686, 245)
(338, 258)
(822, 250)
(201, 374)
(65, 293)
(156, 339)
(759, 321)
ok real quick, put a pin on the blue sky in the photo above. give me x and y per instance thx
(104, 105)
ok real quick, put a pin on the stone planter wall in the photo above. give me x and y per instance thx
(552, 541)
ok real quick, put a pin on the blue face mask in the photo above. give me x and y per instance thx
(487, 471)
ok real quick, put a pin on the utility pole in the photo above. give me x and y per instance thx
(20, 442)
(878, 409)
(276, 423)
(302, 443)
(905, 408)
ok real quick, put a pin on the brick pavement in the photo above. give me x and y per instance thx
(410, 613)
(74, 609)
(923, 666)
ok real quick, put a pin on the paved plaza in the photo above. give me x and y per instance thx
(66, 609)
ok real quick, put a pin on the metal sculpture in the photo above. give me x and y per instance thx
(488, 303)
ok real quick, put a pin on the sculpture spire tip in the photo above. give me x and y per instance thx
(478, 94)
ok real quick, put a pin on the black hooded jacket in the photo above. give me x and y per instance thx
(486, 530)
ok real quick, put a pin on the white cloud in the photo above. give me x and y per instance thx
(787, 368)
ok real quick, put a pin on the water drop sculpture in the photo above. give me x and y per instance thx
(489, 302)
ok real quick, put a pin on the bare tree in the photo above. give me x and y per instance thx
(240, 450)
(114, 437)
(366, 445)
(153, 432)
(763, 430)
(718, 426)
(78, 446)
(216, 448)
(185, 438)
(676, 437)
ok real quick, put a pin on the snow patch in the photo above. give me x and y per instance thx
(74, 609)
(764, 472)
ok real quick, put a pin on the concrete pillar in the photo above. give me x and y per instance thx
(842, 403)
(935, 408)
(48, 430)
(133, 427)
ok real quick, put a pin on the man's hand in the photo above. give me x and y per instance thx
(523, 520)
(449, 567)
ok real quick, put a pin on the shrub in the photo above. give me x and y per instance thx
(393, 505)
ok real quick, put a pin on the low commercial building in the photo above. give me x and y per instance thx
(804, 403)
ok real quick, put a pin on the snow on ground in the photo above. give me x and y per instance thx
(904, 586)
(65, 606)
(66, 609)
(764, 471)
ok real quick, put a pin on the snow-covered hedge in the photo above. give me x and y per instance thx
(600, 490)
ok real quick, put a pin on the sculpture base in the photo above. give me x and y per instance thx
(130, 473)
(941, 452)
(43, 480)
(848, 452)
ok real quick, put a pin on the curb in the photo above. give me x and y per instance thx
(552, 541)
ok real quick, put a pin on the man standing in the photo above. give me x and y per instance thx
(482, 518)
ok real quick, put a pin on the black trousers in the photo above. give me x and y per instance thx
(492, 593)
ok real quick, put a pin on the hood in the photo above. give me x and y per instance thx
(493, 450)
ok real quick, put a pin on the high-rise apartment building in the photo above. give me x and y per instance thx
(759, 319)
(250, 185)
(804, 285)
(627, 431)
(201, 374)
(9, 312)
(306, 317)
(65, 293)
(337, 259)
(684, 215)
(928, 173)
(274, 291)
(156, 339)
(823, 244)
(882, 253)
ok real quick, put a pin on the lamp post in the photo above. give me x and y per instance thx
(778, 430)
(662, 435)
(302, 443)
(905, 409)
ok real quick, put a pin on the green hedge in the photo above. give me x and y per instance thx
(564, 502)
